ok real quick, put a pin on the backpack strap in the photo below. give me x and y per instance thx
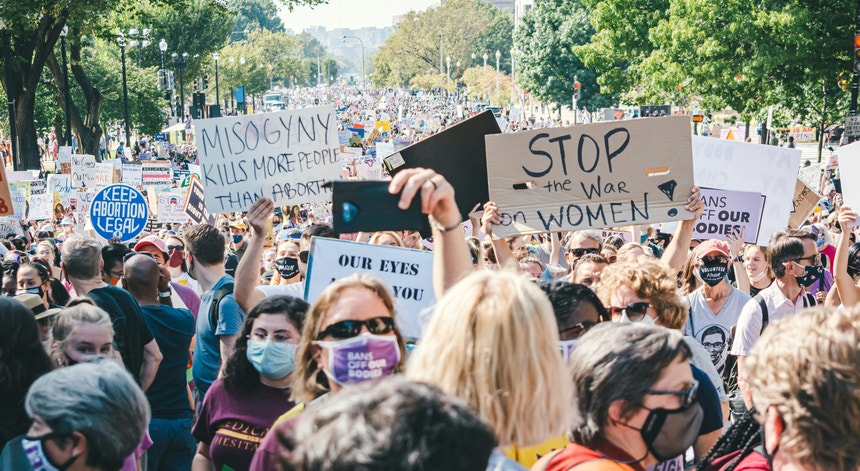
(763, 305)
(810, 299)
(214, 312)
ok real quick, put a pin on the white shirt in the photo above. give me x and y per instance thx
(749, 324)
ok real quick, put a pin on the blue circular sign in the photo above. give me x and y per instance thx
(119, 211)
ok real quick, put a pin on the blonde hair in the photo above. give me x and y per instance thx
(650, 280)
(311, 382)
(78, 311)
(806, 366)
(374, 239)
(627, 252)
(493, 342)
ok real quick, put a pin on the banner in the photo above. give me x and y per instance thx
(286, 156)
(83, 170)
(195, 203)
(739, 166)
(408, 273)
(591, 176)
(805, 201)
(727, 212)
(170, 208)
(119, 211)
(156, 173)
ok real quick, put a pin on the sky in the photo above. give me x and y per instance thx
(351, 13)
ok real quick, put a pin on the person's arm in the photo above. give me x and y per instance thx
(151, 359)
(225, 345)
(451, 259)
(849, 293)
(675, 254)
(475, 218)
(491, 217)
(248, 271)
(201, 461)
(736, 248)
(744, 380)
(555, 249)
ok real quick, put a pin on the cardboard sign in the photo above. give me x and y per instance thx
(591, 176)
(849, 171)
(119, 211)
(83, 170)
(739, 166)
(727, 212)
(195, 203)
(408, 273)
(6, 208)
(41, 206)
(804, 202)
(170, 208)
(155, 173)
(60, 185)
(132, 174)
(286, 156)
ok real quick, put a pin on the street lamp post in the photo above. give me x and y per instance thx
(215, 56)
(139, 38)
(363, 76)
(121, 41)
(498, 55)
(67, 96)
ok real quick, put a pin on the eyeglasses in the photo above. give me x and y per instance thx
(351, 328)
(580, 252)
(687, 396)
(635, 311)
(575, 331)
(812, 259)
(303, 256)
(718, 260)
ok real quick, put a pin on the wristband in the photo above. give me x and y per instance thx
(436, 226)
(738, 259)
(165, 294)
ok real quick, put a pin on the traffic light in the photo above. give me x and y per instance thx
(205, 82)
(197, 83)
(577, 87)
(857, 54)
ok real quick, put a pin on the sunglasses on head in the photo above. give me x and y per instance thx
(580, 252)
(635, 311)
(350, 328)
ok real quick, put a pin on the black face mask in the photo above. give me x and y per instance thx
(288, 267)
(810, 275)
(712, 274)
(668, 433)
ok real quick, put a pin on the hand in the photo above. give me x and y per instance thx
(694, 203)
(820, 296)
(491, 217)
(736, 242)
(437, 195)
(847, 218)
(258, 216)
(163, 278)
(475, 215)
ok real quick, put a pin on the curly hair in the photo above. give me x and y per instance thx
(239, 374)
(650, 280)
(805, 366)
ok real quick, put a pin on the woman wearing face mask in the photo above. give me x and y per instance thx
(352, 317)
(255, 389)
(757, 266)
(286, 264)
(82, 332)
(646, 292)
(34, 278)
(634, 398)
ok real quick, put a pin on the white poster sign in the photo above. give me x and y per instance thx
(729, 212)
(286, 156)
(132, 174)
(40, 206)
(170, 208)
(83, 170)
(62, 185)
(408, 273)
(103, 176)
(20, 194)
(849, 171)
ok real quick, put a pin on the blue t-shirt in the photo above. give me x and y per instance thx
(173, 329)
(207, 347)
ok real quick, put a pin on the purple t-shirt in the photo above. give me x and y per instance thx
(234, 424)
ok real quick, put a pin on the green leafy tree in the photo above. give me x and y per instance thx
(255, 14)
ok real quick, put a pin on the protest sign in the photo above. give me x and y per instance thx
(804, 202)
(384, 149)
(20, 194)
(6, 208)
(156, 173)
(83, 201)
(195, 203)
(38, 187)
(21, 176)
(132, 174)
(286, 156)
(64, 154)
(41, 206)
(729, 212)
(8, 226)
(119, 211)
(739, 166)
(849, 171)
(103, 175)
(170, 208)
(626, 236)
(408, 273)
(591, 176)
(60, 185)
(811, 174)
(83, 170)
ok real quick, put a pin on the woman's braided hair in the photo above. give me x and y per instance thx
(744, 435)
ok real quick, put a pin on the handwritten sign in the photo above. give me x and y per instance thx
(38, 187)
(592, 176)
(407, 272)
(626, 236)
(60, 185)
(132, 174)
(170, 208)
(739, 166)
(805, 201)
(195, 203)
(155, 173)
(41, 206)
(119, 211)
(727, 212)
(83, 170)
(83, 201)
(6, 208)
(103, 175)
(8, 226)
(286, 156)
(20, 194)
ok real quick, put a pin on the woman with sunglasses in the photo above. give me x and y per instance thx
(255, 388)
(646, 292)
(634, 399)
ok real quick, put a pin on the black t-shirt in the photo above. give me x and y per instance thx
(130, 331)
(173, 329)
(708, 398)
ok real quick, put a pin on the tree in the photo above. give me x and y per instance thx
(256, 14)
(546, 39)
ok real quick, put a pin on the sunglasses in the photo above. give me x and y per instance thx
(303, 256)
(813, 259)
(635, 311)
(175, 247)
(719, 259)
(575, 331)
(350, 328)
(580, 252)
(687, 396)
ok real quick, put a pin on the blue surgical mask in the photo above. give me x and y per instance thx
(274, 360)
(237, 238)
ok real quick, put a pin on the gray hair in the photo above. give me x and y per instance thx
(614, 362)
(588, 234)
(99, 400)
(82, 257)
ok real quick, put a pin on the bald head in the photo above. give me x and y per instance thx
(140, 276)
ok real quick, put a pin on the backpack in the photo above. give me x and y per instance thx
(224, 290)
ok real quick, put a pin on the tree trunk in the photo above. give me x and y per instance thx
(28, 148)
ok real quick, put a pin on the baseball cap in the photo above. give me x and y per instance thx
(153, 241)
(238, 224)
(66, 221)
(712, 245)
(291, 233)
